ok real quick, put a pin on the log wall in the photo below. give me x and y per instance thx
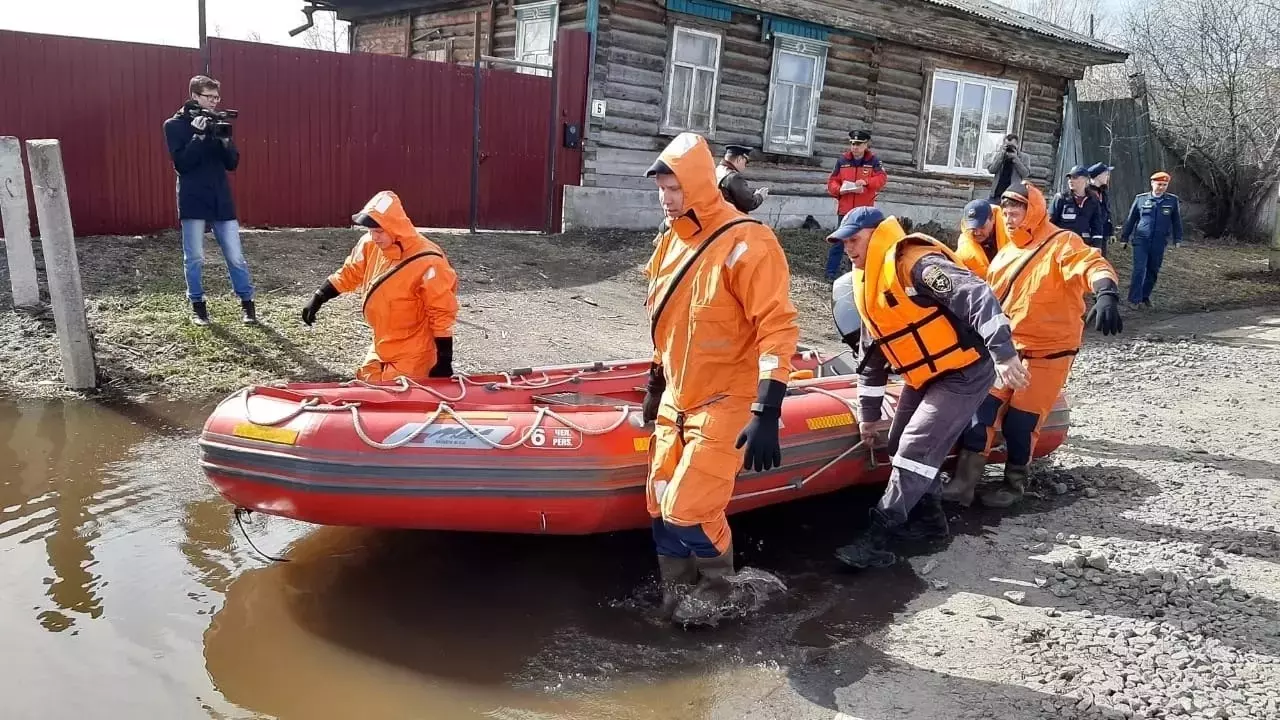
(448, 30)
(879, 84)
(882, 86)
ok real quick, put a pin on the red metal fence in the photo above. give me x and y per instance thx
(319, 133)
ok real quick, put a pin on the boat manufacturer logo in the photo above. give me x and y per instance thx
(450, 436)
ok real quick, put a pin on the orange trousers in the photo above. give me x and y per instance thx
(375, 369)
(1019, 413)
(692, 469)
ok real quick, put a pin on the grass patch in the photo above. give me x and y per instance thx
(138, 312)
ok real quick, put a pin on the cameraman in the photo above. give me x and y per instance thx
(202, 152)
(1009, 165)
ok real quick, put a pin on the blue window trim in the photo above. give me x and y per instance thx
(709, 9)
(770, 24)
(798, 28)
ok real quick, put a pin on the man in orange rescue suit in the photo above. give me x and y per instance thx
(724, 332)
(410, 295)
(1041, 278)
(982, 235)
(915, 309)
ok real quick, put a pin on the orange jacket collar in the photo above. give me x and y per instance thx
(388, 211)
(1037, 217)
(689, 157)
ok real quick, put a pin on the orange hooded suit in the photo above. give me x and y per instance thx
(410, 296)
(1040, 277)
(973, 254)
(723, 331)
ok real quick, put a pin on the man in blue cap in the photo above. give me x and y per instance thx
(1099, 182)
(1077, 210)
(982, 235)
(916, 310)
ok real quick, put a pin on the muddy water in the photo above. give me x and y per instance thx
(127, 590)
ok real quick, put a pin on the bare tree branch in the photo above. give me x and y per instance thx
(1211, 75)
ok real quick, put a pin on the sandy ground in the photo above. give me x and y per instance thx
(1141, 581)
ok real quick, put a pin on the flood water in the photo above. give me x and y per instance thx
(128, 591)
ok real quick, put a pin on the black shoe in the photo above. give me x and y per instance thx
(250, 315)
(870, 548)
(199, 313)
(927, 521)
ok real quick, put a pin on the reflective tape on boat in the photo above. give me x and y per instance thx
(826, 422)
(283, 436)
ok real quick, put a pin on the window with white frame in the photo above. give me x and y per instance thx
(535, 34)
(795, 87)
(692, 76)
(969, 116)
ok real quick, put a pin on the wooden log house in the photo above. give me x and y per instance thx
(938, 83)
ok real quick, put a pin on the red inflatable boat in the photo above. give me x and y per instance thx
(540, 450)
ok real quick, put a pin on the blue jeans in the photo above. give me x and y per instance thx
(1148, 256)
(227, 233)
(835, 257)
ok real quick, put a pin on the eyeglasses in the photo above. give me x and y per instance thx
(215, 98)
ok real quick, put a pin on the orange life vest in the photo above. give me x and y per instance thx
(919, 342)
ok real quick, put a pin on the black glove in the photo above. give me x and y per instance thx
(326, 293)
(761, 434)
(1104, 316)
(444, 358)
(653, 393)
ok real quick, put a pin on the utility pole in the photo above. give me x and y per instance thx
(204, 39)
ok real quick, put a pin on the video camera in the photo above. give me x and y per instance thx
(1011, 148)
(219, 128)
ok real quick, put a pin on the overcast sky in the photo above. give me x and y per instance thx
(166, 22)
(173, 22)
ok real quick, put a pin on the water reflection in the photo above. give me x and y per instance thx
(128, 592)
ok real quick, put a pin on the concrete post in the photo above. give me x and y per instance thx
(58, 241)
(15, 217)
(1273, 258)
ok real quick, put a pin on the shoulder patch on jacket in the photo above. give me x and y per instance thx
(937, 280)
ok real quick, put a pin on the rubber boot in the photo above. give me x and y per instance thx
(250, 313)
(712, 595)
(871, 547)
(199, 313)
(1011, 491)
(969, 467)
(927, 521)
(675, 577)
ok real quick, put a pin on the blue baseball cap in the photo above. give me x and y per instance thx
(860, 218)
(977, 213)
(1078, 171)
(1097, 169)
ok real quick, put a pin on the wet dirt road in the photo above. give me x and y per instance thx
(127, 590)
(1144, 570)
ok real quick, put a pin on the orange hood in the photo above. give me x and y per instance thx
(1037, 214)
(689, 158)
(388, 211)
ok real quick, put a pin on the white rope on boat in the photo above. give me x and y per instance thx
(404, 384)
(541, 413)
(313, 404)
(303, 406)
(888, 404)
(547, 382)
